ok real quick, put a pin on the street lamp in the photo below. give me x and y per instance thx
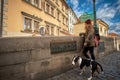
(95, 24)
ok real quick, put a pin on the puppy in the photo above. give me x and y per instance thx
(87, 63)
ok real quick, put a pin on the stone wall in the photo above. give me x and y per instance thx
(30, 58)
(105, 49)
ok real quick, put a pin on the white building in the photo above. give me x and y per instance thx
(72, 19)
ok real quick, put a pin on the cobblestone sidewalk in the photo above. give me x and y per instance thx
(111, 66)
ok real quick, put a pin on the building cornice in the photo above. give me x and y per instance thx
(31, 16)
(50, 2)
(64, 1)
(50, 23)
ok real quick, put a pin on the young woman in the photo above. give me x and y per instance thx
(89, 40)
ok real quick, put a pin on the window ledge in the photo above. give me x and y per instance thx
(27, 31)
(58, 20)
(57, 3)
(30, 31)
(49, 14)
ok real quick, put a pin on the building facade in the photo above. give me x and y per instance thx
(103, 28)
(27, 17)
(3, 16)
(72, 19)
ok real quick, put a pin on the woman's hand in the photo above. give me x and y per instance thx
(85, 44)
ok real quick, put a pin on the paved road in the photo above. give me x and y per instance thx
(111, 66)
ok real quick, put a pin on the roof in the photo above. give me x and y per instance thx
(102, 21)
(112, 34)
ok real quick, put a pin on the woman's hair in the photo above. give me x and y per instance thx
(88, 25)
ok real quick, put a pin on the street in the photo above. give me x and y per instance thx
(111, 66)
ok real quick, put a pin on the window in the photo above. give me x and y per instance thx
(63, 19)
(27, 24)
(58, 14)
(105, 31)
(63, 7)
(47, 7)
(58, 32)
(52, 30)
(36, 26)
(36, 3)
(66, 21)
(52, 11)
(6, 1)
(28, 0)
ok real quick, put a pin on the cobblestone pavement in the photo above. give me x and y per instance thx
(111, 66)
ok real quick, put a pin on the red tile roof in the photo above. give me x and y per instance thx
(113, 34)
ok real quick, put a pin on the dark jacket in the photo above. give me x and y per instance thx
(89, 38)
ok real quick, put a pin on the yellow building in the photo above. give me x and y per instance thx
(26, 17)
(78, 28)
(103, 28)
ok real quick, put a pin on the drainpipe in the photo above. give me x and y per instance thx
(1, 23)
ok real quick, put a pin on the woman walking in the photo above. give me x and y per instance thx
(89, 40)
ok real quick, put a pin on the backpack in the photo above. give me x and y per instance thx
(96, 39)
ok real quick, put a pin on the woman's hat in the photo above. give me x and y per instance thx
(88, 21)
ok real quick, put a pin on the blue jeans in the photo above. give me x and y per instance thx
(91, 50)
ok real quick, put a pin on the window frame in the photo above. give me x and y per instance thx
(26, 26)
(52, 11)
(52, 30)
(37, 5)
(58, 15)
(47, 7)
(36, 29)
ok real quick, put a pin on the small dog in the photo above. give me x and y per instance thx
(88, 63)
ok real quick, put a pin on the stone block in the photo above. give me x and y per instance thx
(37, 66)
(23, 43)
(45, 74)
(16, 44)
(14, 58)
(110, 78)
(42, 42)
(12, 72)
(39, 54)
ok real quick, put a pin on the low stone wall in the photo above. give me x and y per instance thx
(106, 46)
(30, 58)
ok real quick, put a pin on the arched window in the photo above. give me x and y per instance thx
(42, 31)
